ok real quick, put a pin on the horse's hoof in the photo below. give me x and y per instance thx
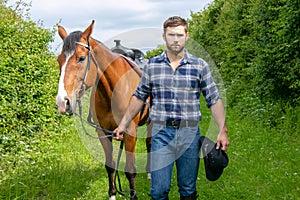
(112, 197)
(149, 176)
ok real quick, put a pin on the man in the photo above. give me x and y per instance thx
(175, 80)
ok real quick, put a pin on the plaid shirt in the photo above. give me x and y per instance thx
(176, 94)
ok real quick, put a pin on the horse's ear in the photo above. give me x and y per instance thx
(88, 31)
(62, 32)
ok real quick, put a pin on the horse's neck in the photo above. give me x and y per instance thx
(104, 56)
(134, 66)
(109, 72)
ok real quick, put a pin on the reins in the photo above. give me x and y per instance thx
(109, 133)
(97, 127)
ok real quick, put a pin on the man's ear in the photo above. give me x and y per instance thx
(164, 36)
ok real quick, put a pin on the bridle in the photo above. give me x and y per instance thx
(78, 101)
(109, 133)
(88, 47)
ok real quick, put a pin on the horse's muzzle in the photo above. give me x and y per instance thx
(64, 106)
(68, 110)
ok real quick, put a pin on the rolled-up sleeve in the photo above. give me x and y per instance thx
(208, 87)
(144, 87)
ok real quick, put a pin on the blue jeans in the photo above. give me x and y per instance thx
(180, 146)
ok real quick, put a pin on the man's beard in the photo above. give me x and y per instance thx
(175, 49)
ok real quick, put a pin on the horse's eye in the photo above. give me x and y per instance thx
(81, 58)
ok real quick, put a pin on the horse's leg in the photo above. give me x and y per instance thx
(109, 165)
(148, 145)
(130, 170)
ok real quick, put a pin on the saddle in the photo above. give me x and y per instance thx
(135, 55)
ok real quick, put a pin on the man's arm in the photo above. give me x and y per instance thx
(134, 107)
(218, 114)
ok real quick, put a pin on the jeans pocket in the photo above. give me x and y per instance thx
(156, 129)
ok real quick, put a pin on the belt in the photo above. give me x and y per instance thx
(178, 123)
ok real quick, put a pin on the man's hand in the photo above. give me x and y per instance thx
(119, 132)
(222, 139)
(218, 113)
(135, 106)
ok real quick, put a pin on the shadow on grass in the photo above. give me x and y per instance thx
(54, 181)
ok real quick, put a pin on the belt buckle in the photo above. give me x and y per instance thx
(175, 123)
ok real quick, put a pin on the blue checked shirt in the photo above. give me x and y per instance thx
(176, 94)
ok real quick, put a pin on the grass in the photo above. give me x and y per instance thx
(264, 164)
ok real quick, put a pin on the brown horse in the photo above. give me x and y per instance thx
(84, 63)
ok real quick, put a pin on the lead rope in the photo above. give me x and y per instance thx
(132, 193)
(97, 127)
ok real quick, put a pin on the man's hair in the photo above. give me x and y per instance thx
(175, 21)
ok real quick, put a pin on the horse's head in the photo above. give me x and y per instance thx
(75, 74)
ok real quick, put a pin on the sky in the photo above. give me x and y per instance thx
(137, 23)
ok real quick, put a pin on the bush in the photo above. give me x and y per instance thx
(154, 52)
(28, 81)
(255, 45)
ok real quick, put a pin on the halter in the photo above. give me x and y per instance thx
(98, 127)
(88, 47)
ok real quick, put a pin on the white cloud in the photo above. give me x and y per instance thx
(112, 17)
(138, 38)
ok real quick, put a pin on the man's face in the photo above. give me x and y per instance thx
(175, 38)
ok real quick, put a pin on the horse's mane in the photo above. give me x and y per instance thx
(70, 41)
(102, 44)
